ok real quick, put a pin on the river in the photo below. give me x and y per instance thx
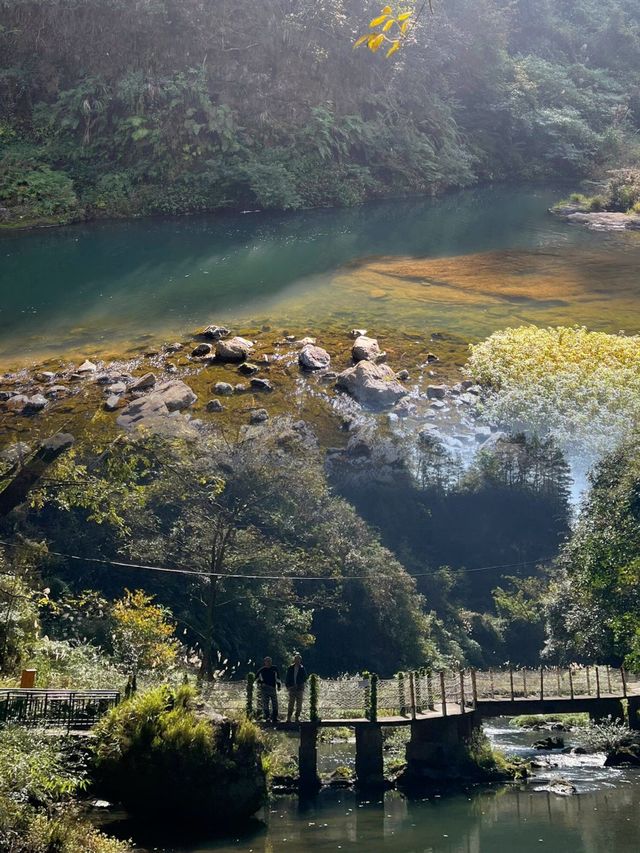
(468, 263)
(603, 817)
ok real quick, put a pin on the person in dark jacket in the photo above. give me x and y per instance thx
(269, 683)
(295, 681)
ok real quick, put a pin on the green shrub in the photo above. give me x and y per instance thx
(33, 187)
(155, 740)
(39, 777)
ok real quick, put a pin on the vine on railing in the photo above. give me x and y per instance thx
(402, 700)
(251, 679)
(314, 714)
(372, 705)
(418, 688)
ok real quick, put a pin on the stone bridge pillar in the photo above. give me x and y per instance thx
(369, 762)
(600, 709)
(634, 712)
(435, 747)
(308, 757)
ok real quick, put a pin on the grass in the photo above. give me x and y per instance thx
(529, 721)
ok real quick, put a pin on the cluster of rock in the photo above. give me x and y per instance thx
(154, 400)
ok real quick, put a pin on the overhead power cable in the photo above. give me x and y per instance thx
(206, 574)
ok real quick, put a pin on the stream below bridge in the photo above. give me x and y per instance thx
(604, 814)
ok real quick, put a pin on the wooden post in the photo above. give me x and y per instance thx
(542, 684)
(474, 687)
(571, 682)
(597, 683)
(558, 680)
(28, 679)
(430, 703)
(588, 683)
(443, 693)
(609, 679)
(524, 683)
(412, 693)
(492, 684)
(462, 690)
(511, 683)
(624, 682)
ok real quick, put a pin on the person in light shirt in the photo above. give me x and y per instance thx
(295, 681)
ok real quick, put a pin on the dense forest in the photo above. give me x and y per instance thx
(133, 107)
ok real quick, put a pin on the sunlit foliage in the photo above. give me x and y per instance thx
(388, 30)
(143, 634)
(581, 387)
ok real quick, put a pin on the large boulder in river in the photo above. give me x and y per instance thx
(166, 398)
(175, 394)
(233, 349)
(371, 384)
(314, 358)
(365, 348)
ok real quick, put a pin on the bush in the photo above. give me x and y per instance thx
(38, 778)
(147, 743)
(18, 624)
(580, 387)
(34, 188)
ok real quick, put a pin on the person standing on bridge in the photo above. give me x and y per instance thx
(268, 679)
(295, 681)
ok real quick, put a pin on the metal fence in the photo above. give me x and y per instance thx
(56, 709)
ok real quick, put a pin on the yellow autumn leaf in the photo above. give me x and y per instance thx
(395, 46)
(377, 21)
(386, 10)
(362, 40)
(388, 25)
(405, 15)
(405, 26)
(375, 42)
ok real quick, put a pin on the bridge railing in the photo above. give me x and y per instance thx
(411, 694)
(553, 682)
(56, 709)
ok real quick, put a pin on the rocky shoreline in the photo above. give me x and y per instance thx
(347, 388)
(604, 220)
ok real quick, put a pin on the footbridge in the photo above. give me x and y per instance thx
(442, 709)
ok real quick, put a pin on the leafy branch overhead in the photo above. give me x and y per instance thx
(389, 28)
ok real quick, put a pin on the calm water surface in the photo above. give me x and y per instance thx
(487, 258)
(604, 817)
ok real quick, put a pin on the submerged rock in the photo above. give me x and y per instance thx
(215, 406)
(225, 389)
(371, 384)
(313, 358)
(87, 367)
(166, 398)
